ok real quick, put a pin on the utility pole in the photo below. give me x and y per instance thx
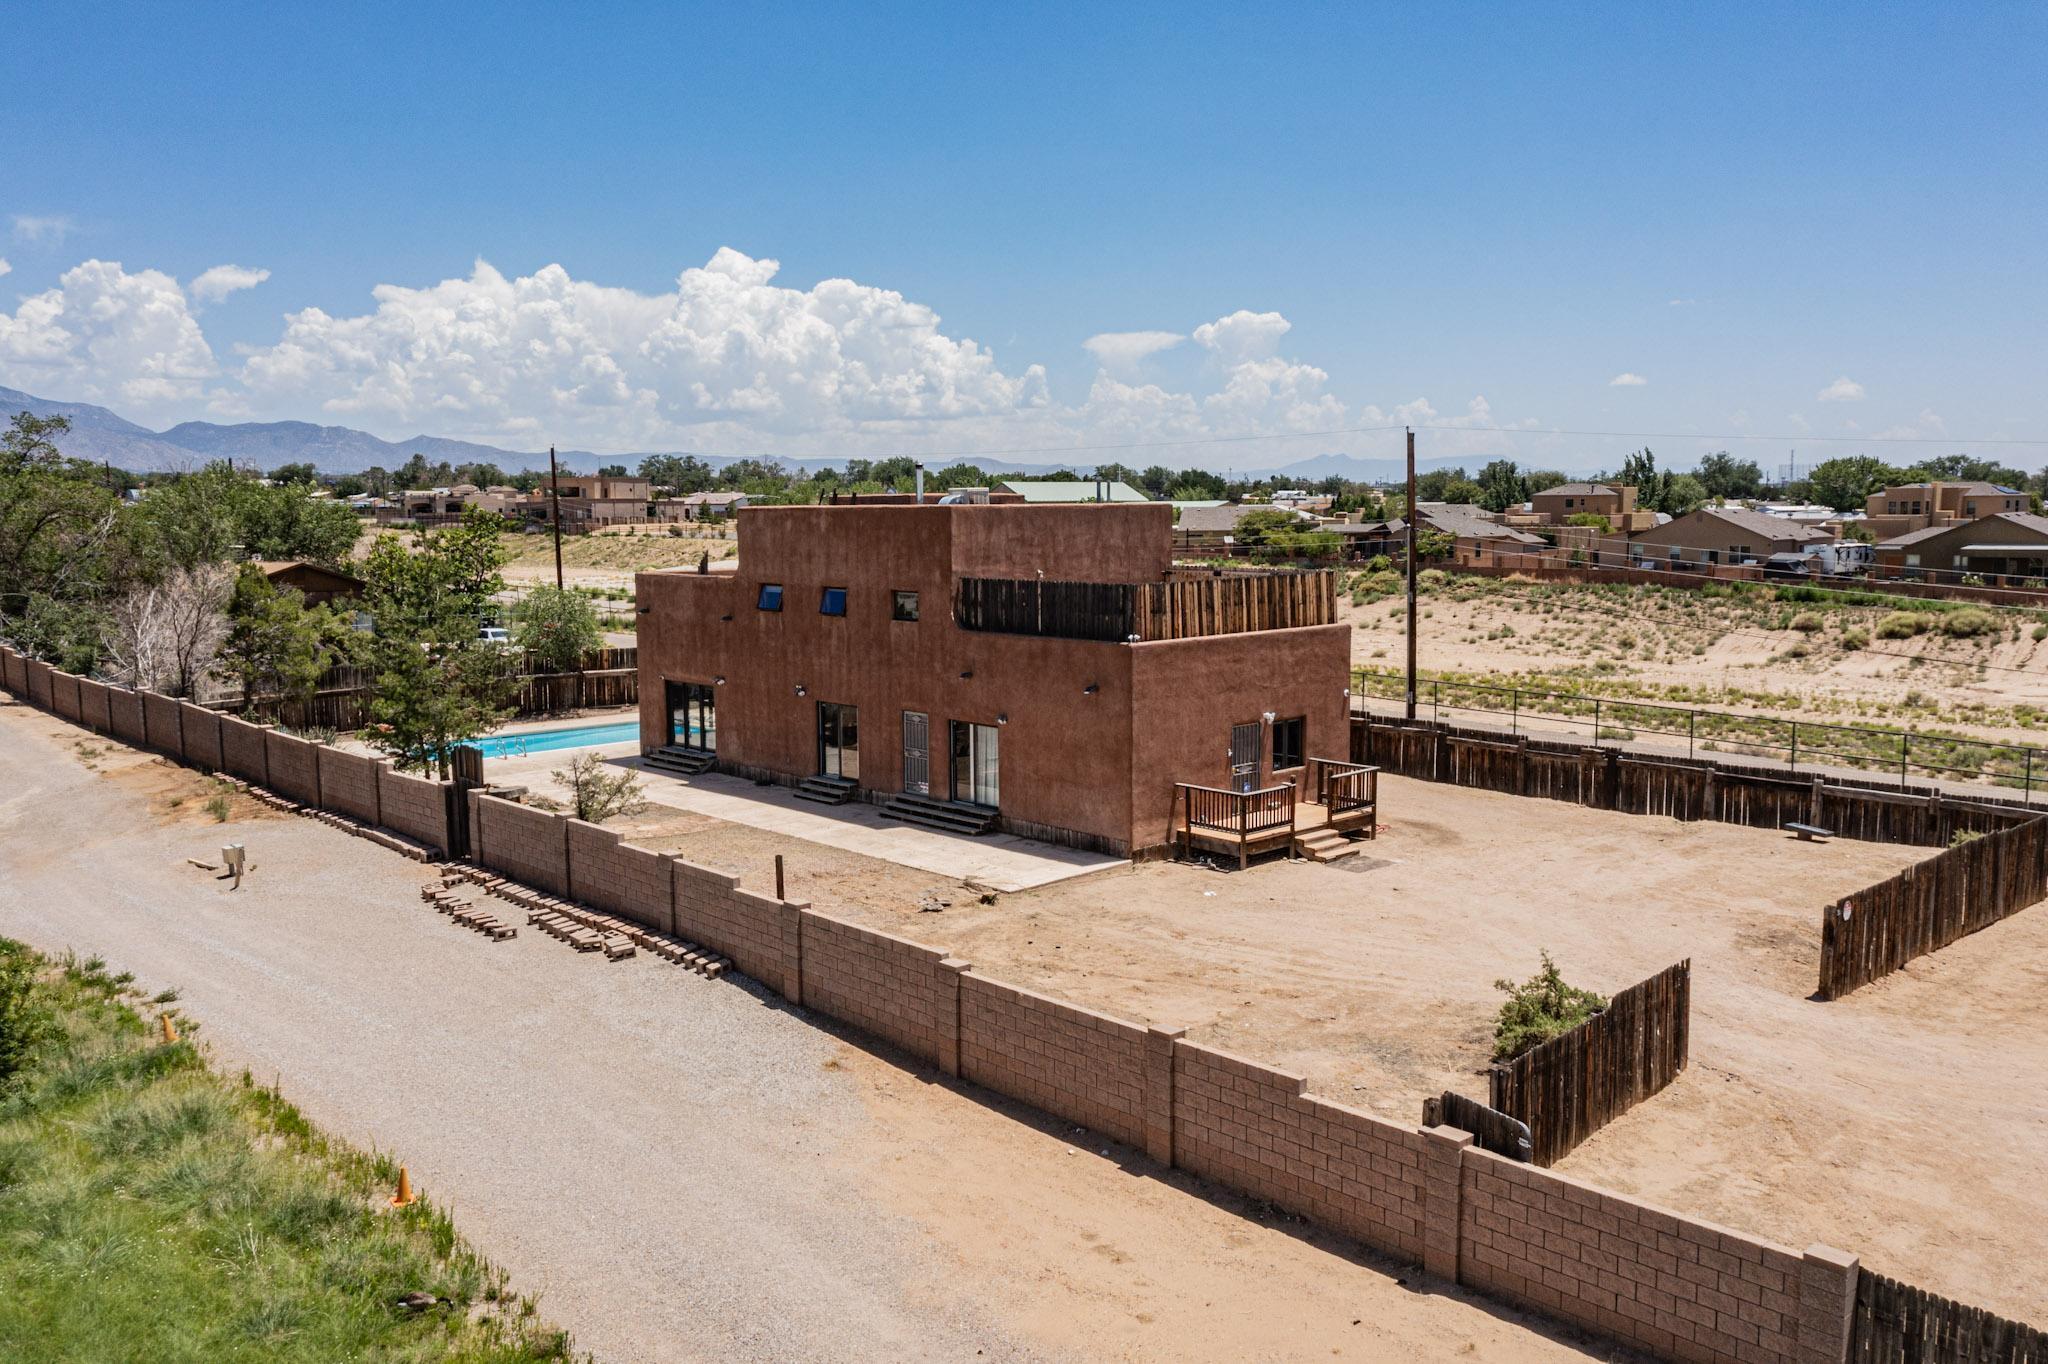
(1411, 572)
(555, 506)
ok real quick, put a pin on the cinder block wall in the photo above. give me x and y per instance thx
(885, 985)
(348, 784)
(1253, 1128)
(618, 877)
(243, 752)
(527, 845)
(201, 728)
(413, 806)
(39, 684)
(1082, 1065)
(92, 706)
(712, 910)
(294, 767)
(124, 715)
(163, 727)
(64, 696)
(13, 672)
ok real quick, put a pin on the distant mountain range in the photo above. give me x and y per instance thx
(104, 436)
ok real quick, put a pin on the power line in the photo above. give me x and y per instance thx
(1697, 435)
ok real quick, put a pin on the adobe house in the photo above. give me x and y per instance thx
(1617, 502)
(317, 584)
(592, 500)
(1043, 670)
(1893, 512)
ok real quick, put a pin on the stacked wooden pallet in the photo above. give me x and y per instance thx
(592, 930)
(469, 915)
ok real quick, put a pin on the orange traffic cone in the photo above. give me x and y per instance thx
(170, 1028)
(404, 1195)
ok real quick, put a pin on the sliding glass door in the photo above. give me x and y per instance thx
(839, 740)
(975, 766)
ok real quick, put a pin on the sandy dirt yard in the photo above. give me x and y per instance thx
(1721, 652)
(682, 1169)
(1906, 1123)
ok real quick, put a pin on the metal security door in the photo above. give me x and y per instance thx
(1244, 757)
(917, 753)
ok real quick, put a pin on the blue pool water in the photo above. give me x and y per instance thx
(548, 740)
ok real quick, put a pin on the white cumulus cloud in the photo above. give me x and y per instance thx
(216, 284)
(1243, 335)
(1627, 381)
(108, 336)
(1122, 352)
(44, 230)
(1842, 390)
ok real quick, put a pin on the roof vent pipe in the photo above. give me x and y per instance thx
(920, 483)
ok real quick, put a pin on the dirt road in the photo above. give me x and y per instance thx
(682, 1169)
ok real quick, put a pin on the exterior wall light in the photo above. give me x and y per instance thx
(1130, 639)
(717, 681)
(645, 610)
(1269, 717)
(969, 673)
(1090, 689)
(726, 616)
(1002, 719)
(800, 690)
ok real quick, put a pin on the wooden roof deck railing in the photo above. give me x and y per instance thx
(1182, 607)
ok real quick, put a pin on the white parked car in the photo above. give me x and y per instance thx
(495, 634)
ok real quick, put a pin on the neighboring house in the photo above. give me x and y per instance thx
(700, 506)
(1923, 506)
(1038, 491)
(2004, 544)
(1617, 502)
(445, 506)
(1033, 669)
(1721, 535)
(589, 502)
(1217, 524)
(315, 583)
(1479, 539)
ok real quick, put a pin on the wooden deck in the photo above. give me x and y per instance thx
(1248, 824)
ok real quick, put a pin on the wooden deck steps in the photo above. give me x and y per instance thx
(1324, 845)
(947, 816)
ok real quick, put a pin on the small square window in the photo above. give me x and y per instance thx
(832, 602)
(771, 597)
(903, 606)
(1287, 742)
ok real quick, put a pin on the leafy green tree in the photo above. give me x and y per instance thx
(65, 546)
(557, 627)
(596, 793)
(1542, 480)
(217, 514)
(1844, 483)
(277, 647)
(295, 473)
(1723, 475)
(438, 685)
(1683, 493)
(1276, 535)
(1501, 486)
(1434, 485)
(26, 1022)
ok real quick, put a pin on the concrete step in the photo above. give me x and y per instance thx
(953, 817)
(684, 762)
(826, 790)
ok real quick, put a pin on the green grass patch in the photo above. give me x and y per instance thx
(151, 1209)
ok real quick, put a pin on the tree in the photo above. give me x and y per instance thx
(1723, 475)
(557, 627)
(438, 685)
(1683, 493)
(295, 473)
(1434, 485)
(597, 793)
(1844, 483)
(163, 635)
(275, 645)
(1276, 534)
(1542, 480)
(611, 471)
(25, 1021)
(681, 474)
(64, 546)
(216, 515)
(1501, 486)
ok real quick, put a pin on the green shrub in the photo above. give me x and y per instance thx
(1968, 622)
(1378, 563)
(2041, 632)
(25, 1023)
(1539, 1009)
(1902, 625)
(1855, 637)
(1808, 621)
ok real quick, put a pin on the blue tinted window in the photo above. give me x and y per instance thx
(833, 602)
(771, 597)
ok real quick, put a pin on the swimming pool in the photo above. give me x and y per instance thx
(548, 740)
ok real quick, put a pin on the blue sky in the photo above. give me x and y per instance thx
(1740, 206)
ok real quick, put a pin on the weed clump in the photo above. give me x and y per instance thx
(1902, 625)
(1538, 1009)
(1968, 623)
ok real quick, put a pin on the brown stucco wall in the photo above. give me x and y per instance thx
(1097, 768)
(1191, 691)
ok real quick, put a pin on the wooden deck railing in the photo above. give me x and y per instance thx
(1343, 786)
(1250, 817)
(1184, 607)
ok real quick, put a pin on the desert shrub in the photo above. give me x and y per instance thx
(1968, 622)
(25, 1023)
(1538, 1009)
(1378, 563)
(1807, 621)
(599, 792)
(1902, 625)
(1855, 637)
(2041, 632)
